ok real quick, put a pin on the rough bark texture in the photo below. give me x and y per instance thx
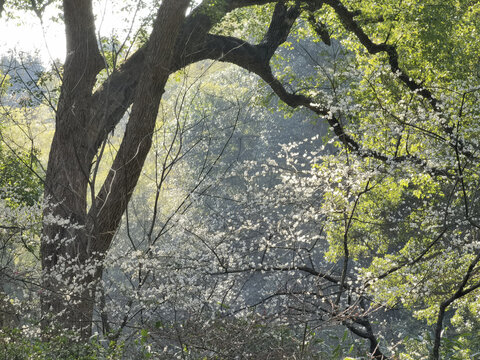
(68, 174)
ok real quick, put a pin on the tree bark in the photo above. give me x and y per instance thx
(137, 140)
(65, 247)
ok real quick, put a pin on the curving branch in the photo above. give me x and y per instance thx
(84, 121)
(112, 99)
(361, 327)
(348, 19)
(194, 44)
(250, 57)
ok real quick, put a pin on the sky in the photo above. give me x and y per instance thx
(23, 32)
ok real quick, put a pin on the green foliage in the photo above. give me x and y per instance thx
(409, 234)
(247, 23)
(455, 347)
(19, 178)
(15, 345)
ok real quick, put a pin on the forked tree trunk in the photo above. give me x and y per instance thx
(76, 240)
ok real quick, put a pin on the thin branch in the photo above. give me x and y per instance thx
(443, 306)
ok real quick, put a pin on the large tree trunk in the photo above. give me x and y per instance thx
(64, 248)
(75, 241)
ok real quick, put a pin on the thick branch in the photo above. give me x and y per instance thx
(83, 61)
(195, 44)
(366, 332)
(71, 148)
(320, 29)
(122, 178)
(282, 21)
(116, 94)
(250, 57)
